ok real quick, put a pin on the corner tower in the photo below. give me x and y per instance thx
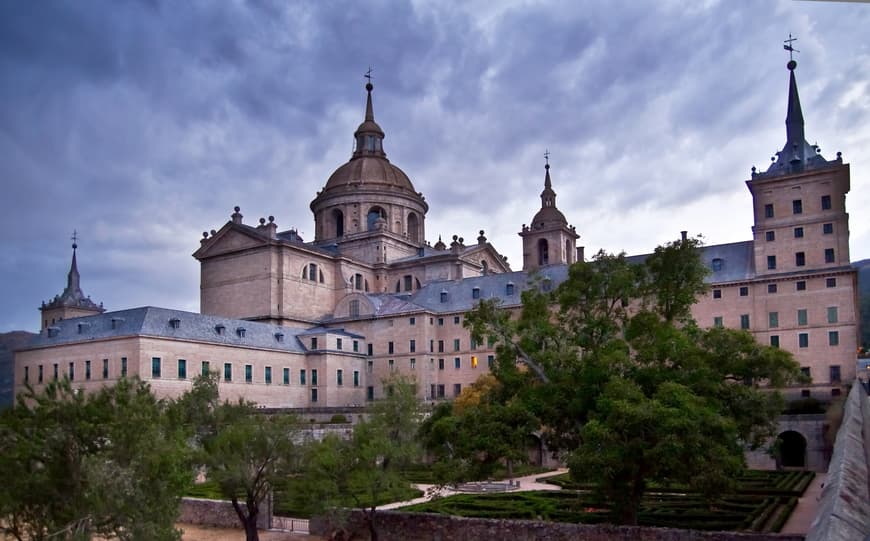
(369, 197)
(549, 240)
(72, 302)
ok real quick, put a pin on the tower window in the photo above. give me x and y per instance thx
(771, 262)
(828, 229)
(826, 202)
(800, 259)
(770, 236)
(797, 206)
(768, 210)
(829, 255)
(543, 252)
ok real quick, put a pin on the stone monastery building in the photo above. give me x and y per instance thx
(290, 323)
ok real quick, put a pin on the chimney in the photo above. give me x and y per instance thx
(683, 235)
(580, 253)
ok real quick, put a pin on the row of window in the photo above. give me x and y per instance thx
(509, 290)
(800, 259)
(457, 363)
(804, 339)
(800, 285)
(827, 229)
(832, 314)
(797, 206)
(833, 372)
(205, 369)
(71, 371)
(438, 390)
(339, 344)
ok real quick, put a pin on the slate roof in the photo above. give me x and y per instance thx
(155, 322)
(738, 263)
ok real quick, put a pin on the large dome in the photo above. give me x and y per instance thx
(369, 171)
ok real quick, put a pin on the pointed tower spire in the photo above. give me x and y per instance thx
(72, 302)
(548, 196)
(369, 136)
(73, 279)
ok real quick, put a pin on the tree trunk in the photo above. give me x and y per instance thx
(249, 519)
(373, 531)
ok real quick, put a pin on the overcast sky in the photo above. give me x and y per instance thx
(140, 124)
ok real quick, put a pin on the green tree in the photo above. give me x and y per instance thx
(77, 465)
(367, 467)
(248, 456)
(626, 385)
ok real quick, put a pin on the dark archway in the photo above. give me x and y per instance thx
(373, 215)
(535, 450)
(792, 448)
(543, 253)
(413, 228)
(338, 220)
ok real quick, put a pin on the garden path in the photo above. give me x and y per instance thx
(807, 507)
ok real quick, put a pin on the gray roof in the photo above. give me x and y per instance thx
(152, 321)
(737, 261)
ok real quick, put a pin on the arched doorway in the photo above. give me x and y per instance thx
(792, 449)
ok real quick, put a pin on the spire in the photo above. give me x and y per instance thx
(369, 136)
(548, 196)
(73, 279)
(794, 120)
(72, 296)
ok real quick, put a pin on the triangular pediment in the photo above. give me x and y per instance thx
(231, 238)
(486, 252)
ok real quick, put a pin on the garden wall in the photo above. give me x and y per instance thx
(218, 513)
(434, 527)
(844, 507)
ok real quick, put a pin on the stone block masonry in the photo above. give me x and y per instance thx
(218, 513)
(434, 527)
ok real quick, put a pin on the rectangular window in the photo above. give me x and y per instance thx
(440, 346)
(105, 368)
(339, 345)
(431, 346)
(456, 344)
(55, 372)
(356, 346)
(803, 340)
(826, 202)
(392, 364)
(800, 259)
(440, 321)
(828, 229)
(390, 348)
(457, 389)
(339, 377)
(744, 291)
(474, 361)
(314, 395)
(26, 374)
(717, 293)
(313, 376)
(182, 369)
(412, 321)
(834, 338)
(39, 375)
(205, 368)
(798, 232)
(830, 282)
(302, 377)
(797, 207)
(412, 363)
(412, 346)
(800, 285)
(805, 371)
(773, 320)
(369, 367)
(835, 373)
(155, 367)
(490, 360)
(123, 367)
(87, 370)
(774, 340)
(371, 350)
(771, 262)
(771, 288)
(475, 293)
(744, 321)
(829, 255)
(802, 316)
(833, 315)
(267, 375)
(768, 210)
(249, 373)
(370, 393)
(457, 363)
(313, 342)
(440, 364)
(440, 388)
(456, 320)
(356, 378)
(717, 322)
(228, 372)
(770, 236)
(286, 374)
(353, 308)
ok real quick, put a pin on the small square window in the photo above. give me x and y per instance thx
(805, 370)
(798, 232)
(800, 259)
(717, 322)
(828, 229)
(774, 340)
(829, 255)
(800, 285)
(768, 210)
(771, 288)
(797, 206)
(744, 291)
(805, 393)
(826, 202)
(412, 321)
(771, 262)
(717, 293)
(456, 320)
(770, 236)
(830, 282)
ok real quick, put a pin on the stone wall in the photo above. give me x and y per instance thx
(844, 508)
(219, 513)
(433, 527)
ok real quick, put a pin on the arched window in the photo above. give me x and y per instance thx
(543, 252)
(373, 215)
(338, 221)
(413, 227)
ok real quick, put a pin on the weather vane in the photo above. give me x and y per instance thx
(368, 75)
(547, 156)
(74, 238)
(787, 45)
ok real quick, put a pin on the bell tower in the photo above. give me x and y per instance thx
(72, 302)
(549, 240)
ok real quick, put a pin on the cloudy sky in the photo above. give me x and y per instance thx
(141, 124)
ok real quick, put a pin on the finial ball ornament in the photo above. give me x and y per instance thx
(791, 65)
(369, 87)
(237, 209)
